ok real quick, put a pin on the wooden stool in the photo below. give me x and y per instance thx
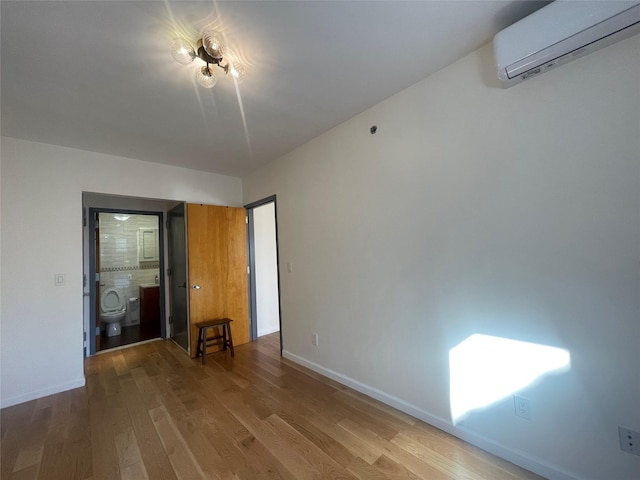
(225, 339)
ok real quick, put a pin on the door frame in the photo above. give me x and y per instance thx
(93, 294)
(251, 249)
(171, 275)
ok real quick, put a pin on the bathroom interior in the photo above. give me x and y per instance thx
(129, 279)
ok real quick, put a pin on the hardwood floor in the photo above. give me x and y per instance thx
(150, 412)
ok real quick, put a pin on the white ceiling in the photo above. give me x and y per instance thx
(97, 75)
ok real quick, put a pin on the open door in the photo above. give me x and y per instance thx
(96, 232)
(93, 332)
(177, 248)
(217, 264)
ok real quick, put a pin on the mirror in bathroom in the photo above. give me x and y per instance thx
(148, 245)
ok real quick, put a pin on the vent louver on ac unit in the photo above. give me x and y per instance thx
(561, 32)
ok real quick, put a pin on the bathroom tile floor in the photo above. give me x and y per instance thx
(131, 334)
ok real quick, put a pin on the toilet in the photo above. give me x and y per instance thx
(113, 311)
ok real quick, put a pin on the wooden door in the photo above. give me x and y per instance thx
(218, 280)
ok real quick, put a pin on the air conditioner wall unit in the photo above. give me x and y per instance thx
(560, 32)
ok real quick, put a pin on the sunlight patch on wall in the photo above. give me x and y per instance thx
(485, 369)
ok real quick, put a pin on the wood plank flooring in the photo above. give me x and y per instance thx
(150, 412)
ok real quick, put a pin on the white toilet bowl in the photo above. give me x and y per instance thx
(113, 311)
(112, 322)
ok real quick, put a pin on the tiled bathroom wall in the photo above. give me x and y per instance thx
(123, 263)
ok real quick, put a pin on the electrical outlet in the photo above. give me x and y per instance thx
(522, 406)
(314, 339)
(629, 440)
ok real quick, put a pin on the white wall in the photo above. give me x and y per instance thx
(42, 185)
(267, 307)
(476, 210)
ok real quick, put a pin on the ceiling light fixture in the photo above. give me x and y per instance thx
(211, 49)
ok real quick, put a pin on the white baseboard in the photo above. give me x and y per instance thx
(8, 402)
(516, 457)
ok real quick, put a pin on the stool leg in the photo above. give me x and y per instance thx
(204, 345)
(198, 351)
(230, 340)
(224, 336)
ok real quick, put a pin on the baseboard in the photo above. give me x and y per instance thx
(530, 463)
(9, 402)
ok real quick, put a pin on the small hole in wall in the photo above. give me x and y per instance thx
(373, 129)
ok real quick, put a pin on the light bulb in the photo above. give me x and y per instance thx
(205, 77)
(182, 51)
(213, 43)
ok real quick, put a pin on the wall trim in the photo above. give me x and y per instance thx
(519, 458)
(11, 401)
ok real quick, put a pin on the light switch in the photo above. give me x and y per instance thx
(59, 279)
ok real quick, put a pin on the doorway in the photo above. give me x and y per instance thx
(263, 266)
(126, 287)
